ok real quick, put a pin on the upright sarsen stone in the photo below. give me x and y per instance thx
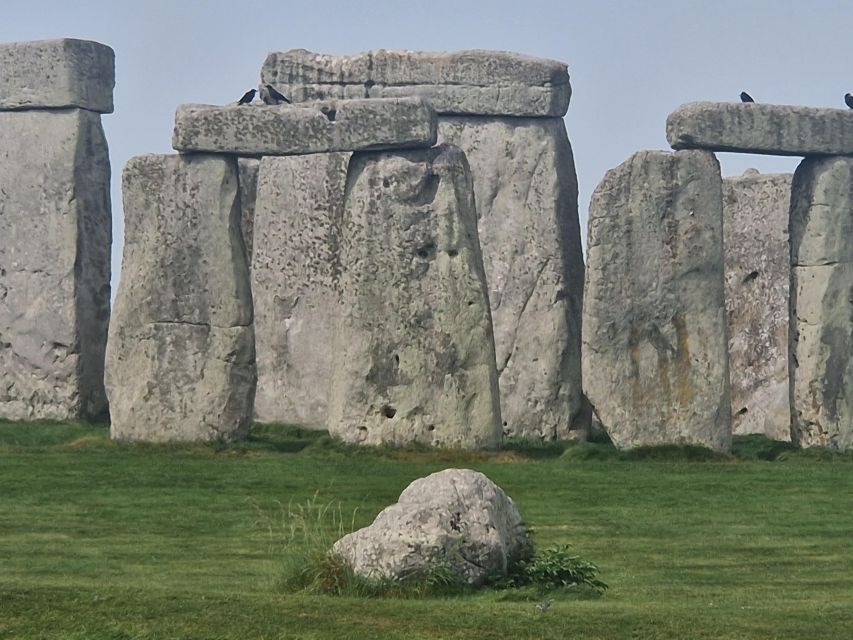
(821, 337)
(526, 195)
(180, 358)
(655, 357)
(414, 357)
(295, 284)
(55, 235)
(758, 273)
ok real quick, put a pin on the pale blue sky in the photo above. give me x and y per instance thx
(630, 62)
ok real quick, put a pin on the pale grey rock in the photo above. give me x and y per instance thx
(758, 273)
(821, 339)
(295, 284)
(180, 356)
(655, 357)
(414, 357)
(57, 74)
(455, 519)
(526, 193)
(773, 129)
(342, 125)
(54, 264)
(474, 82)
(247, 173)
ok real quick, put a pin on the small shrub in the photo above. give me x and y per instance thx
(554, 568)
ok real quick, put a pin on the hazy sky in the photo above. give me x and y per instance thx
(631, 63)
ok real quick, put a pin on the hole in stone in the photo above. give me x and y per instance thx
(386, 183)
(752, 275)
(427, 251)
(743, 411)
(453, 253)
(470, 303)
(330, 113)
(388, 411)
(428, 190)
(396, 358)
(431, 427)
(504, 422)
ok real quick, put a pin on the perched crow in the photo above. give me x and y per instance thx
(745, 97)
(270, 96)
(848, 100)
(247, 97)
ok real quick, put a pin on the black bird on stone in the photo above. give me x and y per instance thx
(247, 97)
(270, 96)
(848, 100)
(745, 97)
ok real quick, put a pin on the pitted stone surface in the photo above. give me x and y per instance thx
(526, 195)
(655, 357)
(295, 274)
(750, 127)
(57, 74)
(414, 358)
(821, 304)
(54, 264)
(342, 125)
(758, 274)
(474, 82)
(180, 357)
(456, 518)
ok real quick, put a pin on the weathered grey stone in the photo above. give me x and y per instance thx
(414, 359)
(757, 258)
(57, 73)
(247, 173)
(180, 357)
(54, 264)
(455, 519)
(344, 125)
(773, 129)
(821, 339)
(655, 357)
(526, 195)
(299, 214)
(462, 82)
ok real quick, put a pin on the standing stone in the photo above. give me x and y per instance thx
(180, 357)
(54, 264)
(526, 194)
(655, 357)
(757, 257)
(821, 339)
(414, 358)
(295, 275)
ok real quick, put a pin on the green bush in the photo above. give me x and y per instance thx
(557, 568)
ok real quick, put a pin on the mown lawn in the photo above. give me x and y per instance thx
(99, 540)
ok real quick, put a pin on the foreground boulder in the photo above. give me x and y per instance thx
(821, 304)
(414, 358)
(59, 73)
(460, 82)
(758, 273)
(455, 519)
(295, 284)
(655, 356)
(55, 236)
(773, 129)
(344, 125)
(180, 358)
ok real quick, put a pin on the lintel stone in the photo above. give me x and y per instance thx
(771, 129)
(473, 82)
(61, 73)
(343, 125)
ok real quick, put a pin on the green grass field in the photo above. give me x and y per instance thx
(100, 540)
